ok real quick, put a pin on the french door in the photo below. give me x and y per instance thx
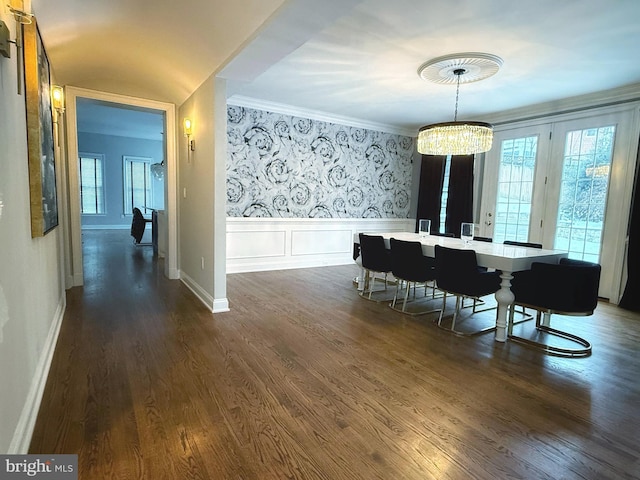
(563, 185)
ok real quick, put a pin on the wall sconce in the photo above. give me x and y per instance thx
(57, 99)
(20, 11)
(188, 132)
(21, 14)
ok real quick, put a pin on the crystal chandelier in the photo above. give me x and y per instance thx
(157, 169)
(457, 138)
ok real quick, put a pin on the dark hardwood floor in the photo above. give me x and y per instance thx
(304, 379)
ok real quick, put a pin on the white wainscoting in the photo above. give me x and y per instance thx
(257, 244)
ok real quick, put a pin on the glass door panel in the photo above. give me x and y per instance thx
(509, 210)
(583, 192)
(515, 189)
(568, 185)
(589, 190)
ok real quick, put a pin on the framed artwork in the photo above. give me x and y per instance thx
(42, 166)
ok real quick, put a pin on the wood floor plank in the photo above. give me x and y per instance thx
(304, 379)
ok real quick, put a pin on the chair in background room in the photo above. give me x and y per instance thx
(376, 259)
(457, 274)
(411, 268)
(138, 225)
(522, 244)
(438, 234)
(567, 288)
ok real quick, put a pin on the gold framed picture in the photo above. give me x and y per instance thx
(42, 165)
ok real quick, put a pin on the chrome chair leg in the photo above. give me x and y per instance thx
(543, 326)
(408, 286)
(456, 313)
(444, 306)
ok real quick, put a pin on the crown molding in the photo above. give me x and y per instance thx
(616, 96)
(249, 102)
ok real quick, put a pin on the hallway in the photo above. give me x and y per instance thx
(305, 380)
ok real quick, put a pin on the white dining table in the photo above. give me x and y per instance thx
(506, 258)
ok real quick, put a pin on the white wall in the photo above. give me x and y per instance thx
(201, 196)
(32, 297)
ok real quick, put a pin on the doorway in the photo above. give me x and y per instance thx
(562, 184)
(75, 274)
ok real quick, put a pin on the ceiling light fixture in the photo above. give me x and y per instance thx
(20, 12)
(21, 15)
(157, 170)
(457, 138)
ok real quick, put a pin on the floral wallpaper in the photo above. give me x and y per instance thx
(284, 166)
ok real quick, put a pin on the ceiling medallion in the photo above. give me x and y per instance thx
(457, 138)
(477, 66)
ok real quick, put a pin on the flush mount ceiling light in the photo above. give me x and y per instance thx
(457, 138)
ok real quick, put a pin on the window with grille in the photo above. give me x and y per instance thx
(515, 189)
(583, 192)
(91, 184)
(137, 183)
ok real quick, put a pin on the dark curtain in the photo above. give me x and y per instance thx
(631, 297)
(460, 200)
(431, 180)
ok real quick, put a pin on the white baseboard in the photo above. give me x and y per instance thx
(27, 421)
(220, 305)
(174, 273)
(267, 264)
(197, 290)
(217, 305)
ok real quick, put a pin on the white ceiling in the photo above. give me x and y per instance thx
(350, 58)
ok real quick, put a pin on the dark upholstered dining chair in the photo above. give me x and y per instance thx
(138, 225)
(522, 244)
(376, 259)
(567, 288)
(457, 274)
(411, 268)
(438, 234)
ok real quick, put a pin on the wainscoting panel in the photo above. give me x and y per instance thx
(310, 242)
(258, 244)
